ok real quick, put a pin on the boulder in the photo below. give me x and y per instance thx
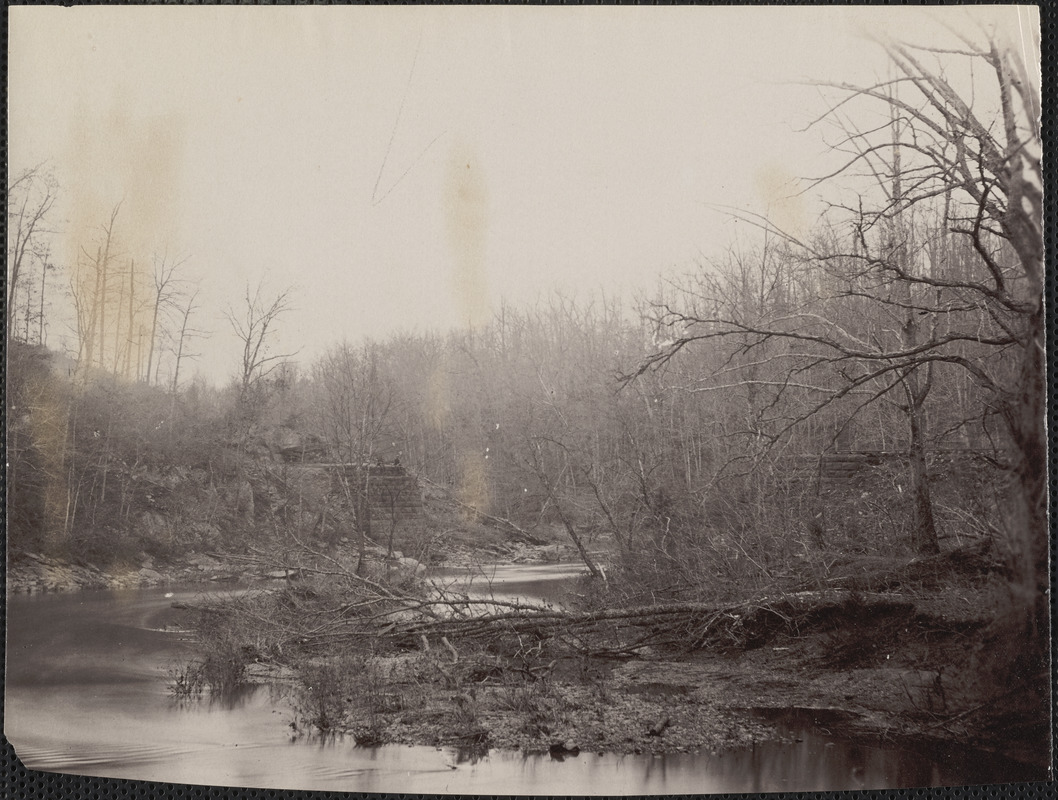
(411, 565)
(551, 552)
(405, 565)
(562, 750)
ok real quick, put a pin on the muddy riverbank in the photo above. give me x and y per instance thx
(701, 702)
(891, 669)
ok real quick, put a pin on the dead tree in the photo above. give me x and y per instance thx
(30, 199)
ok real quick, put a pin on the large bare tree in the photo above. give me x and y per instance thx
(945, 149)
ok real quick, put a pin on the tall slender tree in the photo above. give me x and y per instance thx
(31, 198)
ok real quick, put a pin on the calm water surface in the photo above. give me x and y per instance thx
(86, 694)
(536, 583)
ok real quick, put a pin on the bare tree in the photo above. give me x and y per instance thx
(975, 167)
(166, 295)
(89, 290)
(46, 267)
(255, 326)
(980, 152)
(356, 401)
(183, 336)
(30, 198)
(35, 298)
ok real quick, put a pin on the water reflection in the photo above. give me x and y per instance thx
(230, 699)
(86, 693)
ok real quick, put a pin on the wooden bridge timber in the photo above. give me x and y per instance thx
(847, 467)
(393, 496)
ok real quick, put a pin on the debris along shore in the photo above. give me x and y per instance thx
(889, 652)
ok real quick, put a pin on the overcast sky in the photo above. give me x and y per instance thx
(407, 167)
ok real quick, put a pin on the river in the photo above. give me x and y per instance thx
(86, 694)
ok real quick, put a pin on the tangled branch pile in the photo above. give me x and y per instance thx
(325, 603)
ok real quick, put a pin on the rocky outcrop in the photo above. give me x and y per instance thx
(33, 572)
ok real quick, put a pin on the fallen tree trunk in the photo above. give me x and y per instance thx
(687, 624)
(404, 621)
(331, 605)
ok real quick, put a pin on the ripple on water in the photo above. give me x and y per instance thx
(87, 695)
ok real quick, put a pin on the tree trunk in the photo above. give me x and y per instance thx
(1027, 523)
(924, 534)
(154, 334)
(593, 568)
(129, 335)
(40, 316)
(363, 519)
(101, 300)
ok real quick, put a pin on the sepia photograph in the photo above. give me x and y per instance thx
(527, 400)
